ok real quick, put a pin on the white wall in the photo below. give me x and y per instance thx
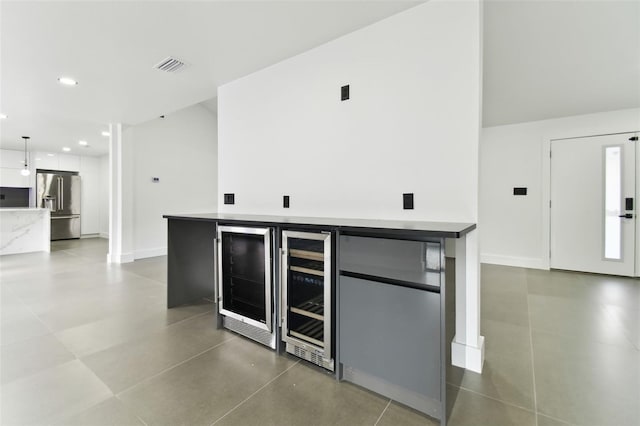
(181, 150)
(515, 229)
(90, 200)
(411, 125)
(103, 217)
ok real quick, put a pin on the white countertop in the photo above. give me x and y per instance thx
(22, 209)
(24, 230)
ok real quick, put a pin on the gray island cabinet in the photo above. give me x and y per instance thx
(392, 310)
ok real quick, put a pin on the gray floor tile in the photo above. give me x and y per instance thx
(508, 307)
(397, 414)
(30, 356)
(73, 313)
(53, 393)
(314, 398)
(474, 409)
(508, 371)
(629, 319)
(612, 290)
(154, 268)
(548, 421)
(125, 326)
(206, 387)
(571, 318)
(107, 413)
(503, 279)
(122, 366)
(586, 382)
(23, 327)
(504, 294)
(556, 283)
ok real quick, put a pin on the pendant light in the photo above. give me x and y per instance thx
(25, 171)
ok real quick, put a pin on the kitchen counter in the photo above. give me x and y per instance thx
(415, 228)
(375, 262)
(24, 230)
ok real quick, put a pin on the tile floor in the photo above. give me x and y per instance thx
(86, 343)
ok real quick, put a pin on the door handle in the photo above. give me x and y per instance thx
(626, 216)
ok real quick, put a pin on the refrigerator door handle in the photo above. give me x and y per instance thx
(59, 199)
(61, 191)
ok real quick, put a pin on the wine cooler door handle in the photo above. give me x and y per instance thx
(283, 277)
(215, 269)
(218, 272)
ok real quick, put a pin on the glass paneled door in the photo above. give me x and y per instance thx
(593, 204)
(244, 267)
(307, 295)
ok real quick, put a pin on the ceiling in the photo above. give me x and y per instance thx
(541, 59)
(549, 59)
(110, 48)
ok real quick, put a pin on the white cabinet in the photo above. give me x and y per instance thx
(11, 163)
(11, 159)
(46, 160)
(69, 163)
(54, 161)
(12, 178)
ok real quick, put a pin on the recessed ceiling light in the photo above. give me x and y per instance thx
(3, 116)
(106, 134)
(66, 149)
(67, 81)
(51, 155)
(38, 158)
(83, 143)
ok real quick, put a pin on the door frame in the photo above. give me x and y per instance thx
(546, 194)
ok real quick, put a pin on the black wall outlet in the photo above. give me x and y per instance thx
(344, 93)
(285, 201)
(520, 191)
(407, 201)
(229, 198)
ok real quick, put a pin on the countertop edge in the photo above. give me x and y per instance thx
(465, 228)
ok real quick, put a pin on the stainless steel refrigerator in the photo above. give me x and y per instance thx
(60, 193)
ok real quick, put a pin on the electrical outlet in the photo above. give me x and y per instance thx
(229, 198)
(407, 201)
(285, 201)
(344, 93)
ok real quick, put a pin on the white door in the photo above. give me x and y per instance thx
(593, 204)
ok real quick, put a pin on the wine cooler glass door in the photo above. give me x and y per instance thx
(307, 291)
(245, 275)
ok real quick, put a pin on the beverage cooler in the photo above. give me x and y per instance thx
(306, 297)
(244, 282)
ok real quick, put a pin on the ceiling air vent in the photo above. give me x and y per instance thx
(169, 65)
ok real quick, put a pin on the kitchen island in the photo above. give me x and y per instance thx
(393, 310)
(24, 230)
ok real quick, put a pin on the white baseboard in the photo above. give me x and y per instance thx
(521, 262)
(120, 258)
(158, 251)
(104, 235)
(83, 236)
(468, 357)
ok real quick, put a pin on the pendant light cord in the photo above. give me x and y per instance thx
(26, 171)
